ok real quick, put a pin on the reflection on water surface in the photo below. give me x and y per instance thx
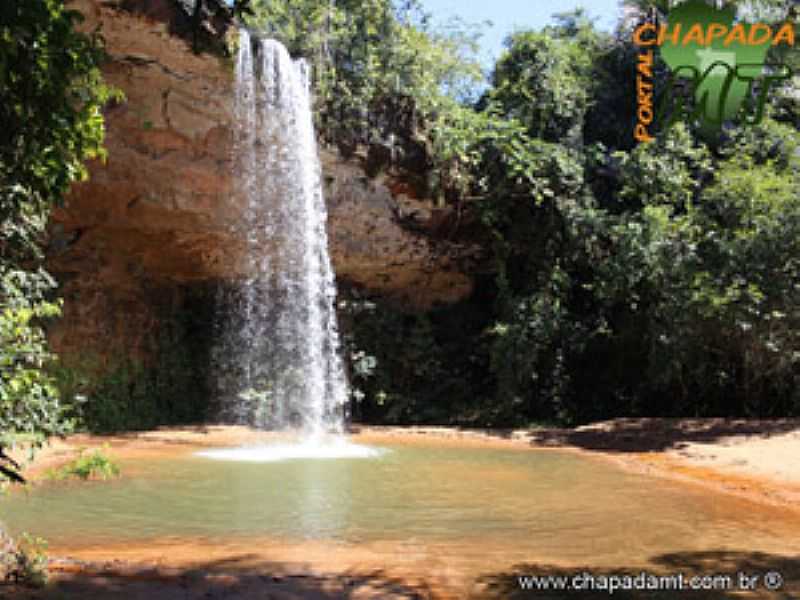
(467, 507)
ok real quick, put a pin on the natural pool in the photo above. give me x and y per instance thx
(462, 511)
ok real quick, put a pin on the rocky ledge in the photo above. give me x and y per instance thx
(158, 215)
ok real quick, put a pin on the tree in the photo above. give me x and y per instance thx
(385, 79)
(52, 94)
(667, 290)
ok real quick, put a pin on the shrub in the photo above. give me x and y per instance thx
(24, 562)
(88, 466)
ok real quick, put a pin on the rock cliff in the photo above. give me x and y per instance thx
(156, 221)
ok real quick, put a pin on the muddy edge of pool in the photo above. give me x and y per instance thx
(756, 460)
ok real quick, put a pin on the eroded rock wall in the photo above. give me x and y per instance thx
(159, 215)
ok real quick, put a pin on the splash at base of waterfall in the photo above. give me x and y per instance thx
(305, 449)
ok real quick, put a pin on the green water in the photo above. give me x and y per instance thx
(532, 502)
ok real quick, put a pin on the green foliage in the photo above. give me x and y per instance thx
(87, 466)
(28, 399)
(684, 303)
(710, 275)
(122, 399)
(24, 562)
(52, 95)
(166, 385)
(384, 77)
(133, 395)
(407, 368)
(668, 172)
(544, 82)
(657, 280)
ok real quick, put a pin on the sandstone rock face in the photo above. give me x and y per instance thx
(160, 213)
(370, 248)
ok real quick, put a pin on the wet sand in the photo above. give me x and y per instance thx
(769, 449)
(759, 461)
(756, 460)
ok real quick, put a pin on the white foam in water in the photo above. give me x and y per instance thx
(277, 360)
(308, 449)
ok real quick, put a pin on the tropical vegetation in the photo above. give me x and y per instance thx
(52, 94)
(616, 279)
(649, 279)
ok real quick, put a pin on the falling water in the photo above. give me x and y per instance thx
(278, 363)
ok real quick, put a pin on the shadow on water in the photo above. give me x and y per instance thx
(651, 434)
(508, 585)
(236, 578)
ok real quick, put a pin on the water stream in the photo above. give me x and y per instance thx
(277, 360)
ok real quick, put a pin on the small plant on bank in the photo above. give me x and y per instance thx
(25, 561)
(87, 466)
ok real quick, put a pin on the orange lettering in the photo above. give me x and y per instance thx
(786, 31)
(675, 34)
(645, 66)
(715, 30)
(645, 114)
(641, 134)
(638, 35)
(753, 38)
(736, 35)
(695, 34)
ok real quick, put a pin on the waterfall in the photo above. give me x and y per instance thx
(277, 360)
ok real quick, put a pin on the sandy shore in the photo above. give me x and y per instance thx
(757, 460)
